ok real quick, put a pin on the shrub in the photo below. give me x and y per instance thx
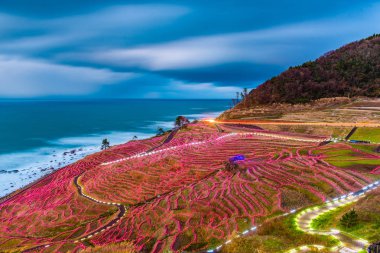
(349, 219)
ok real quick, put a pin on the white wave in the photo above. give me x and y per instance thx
(96, 139)
(166, 125)
(22, 168)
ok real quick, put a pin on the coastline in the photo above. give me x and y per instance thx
(50, 160)
(21, 170)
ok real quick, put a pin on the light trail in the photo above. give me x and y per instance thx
(271, 135)
(305, 226)
(346, 242)
(273, 122)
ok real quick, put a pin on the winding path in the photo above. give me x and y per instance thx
(122, 209)
(347, 243)
(296, 123)
(304, 218)
(121, 214)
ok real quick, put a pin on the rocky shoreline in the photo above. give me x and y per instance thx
(18, 179)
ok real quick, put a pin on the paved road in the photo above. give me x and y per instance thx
(219, 129)
(297, 123)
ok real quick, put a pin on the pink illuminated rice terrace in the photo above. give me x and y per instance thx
(178, 196)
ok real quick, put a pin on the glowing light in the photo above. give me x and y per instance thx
(363, 241)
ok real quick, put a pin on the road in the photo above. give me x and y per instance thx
(297, 123)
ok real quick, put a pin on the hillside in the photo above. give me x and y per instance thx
(182, 192)
(352, 70)
(177, 194)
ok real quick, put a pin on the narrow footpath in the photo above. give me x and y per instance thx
(122, 209)
(167, 140)
(353, 130)
(347, 243)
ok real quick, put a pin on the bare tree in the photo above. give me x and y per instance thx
(105, 144)
(181, 121)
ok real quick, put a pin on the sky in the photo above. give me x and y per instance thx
(166, 49)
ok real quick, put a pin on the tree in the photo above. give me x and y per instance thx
(244, 96)
(349, 219)
(181, 121)
(105, 144)
(236, 100)
(160, 131)
(240, 96)
(244, 93)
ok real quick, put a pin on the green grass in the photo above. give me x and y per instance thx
(349, 158)
(277, 235)
(367, 228)
(371, 134)
(243, 223)
(368, 148)
(348, 162)
(334, 152)
(326, 220)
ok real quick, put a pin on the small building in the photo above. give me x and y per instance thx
(232, 164)
(236, 158)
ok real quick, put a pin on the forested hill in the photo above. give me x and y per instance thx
(352, 70)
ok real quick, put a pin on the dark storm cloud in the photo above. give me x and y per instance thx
(226, 74)
(166, 48)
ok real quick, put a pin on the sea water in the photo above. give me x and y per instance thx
(40, 136)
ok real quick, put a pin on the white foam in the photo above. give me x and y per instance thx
(166, 125)
(33, 164)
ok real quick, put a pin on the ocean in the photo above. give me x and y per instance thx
(40, 136)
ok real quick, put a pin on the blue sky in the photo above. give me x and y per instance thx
(166, 49)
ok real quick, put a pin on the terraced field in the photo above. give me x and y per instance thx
(52, 211)
(178, 196)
